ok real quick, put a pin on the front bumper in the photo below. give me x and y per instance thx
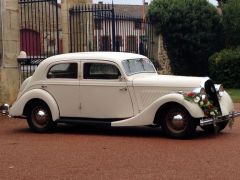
(215, 120)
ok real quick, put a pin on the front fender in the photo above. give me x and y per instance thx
(18, 106)
(146, 117)
(226, 104)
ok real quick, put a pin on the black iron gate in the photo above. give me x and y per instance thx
(98, 28)
(39, 32)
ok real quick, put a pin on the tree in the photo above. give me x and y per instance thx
(192, 31)
(231, 23)
(220, 2)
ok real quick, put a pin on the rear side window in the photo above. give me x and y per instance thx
(63, 70)
(101, 71)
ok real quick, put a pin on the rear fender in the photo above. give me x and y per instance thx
(18, 107)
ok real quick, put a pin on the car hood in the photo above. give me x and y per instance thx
(169, 81)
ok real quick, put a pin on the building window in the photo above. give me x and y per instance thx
(132, 44)
(119, 40)
(138, 24)
(105, 43)
(51, 42)
(98, 24)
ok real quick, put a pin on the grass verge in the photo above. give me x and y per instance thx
(235, 94)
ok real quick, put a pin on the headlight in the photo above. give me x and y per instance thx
(203, 93)
(220, 89)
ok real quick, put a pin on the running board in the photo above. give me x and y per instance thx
(86, 122)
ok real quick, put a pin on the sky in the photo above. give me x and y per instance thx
(135, 1)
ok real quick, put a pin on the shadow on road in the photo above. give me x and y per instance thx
(116, 131)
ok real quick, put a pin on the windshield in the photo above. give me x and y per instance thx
(139, 65)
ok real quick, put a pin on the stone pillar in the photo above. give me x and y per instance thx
(164, 61)
(66, 5)
(9, 50)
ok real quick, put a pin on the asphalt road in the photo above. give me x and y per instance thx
(116, 153)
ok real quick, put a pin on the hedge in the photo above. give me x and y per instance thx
(224, 67)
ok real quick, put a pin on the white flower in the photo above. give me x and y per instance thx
(201, 103)
(212, 113)
(196, 99)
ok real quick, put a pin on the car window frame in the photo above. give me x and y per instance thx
(63, 62)
(101, 62)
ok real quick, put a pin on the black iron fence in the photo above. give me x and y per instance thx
(39, 32)
(92, 28)
(98, 28)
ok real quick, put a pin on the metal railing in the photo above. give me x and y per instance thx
(28, 65)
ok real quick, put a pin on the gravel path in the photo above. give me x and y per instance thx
(116, 153)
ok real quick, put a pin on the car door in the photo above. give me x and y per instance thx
(103, 93)
(63, 84)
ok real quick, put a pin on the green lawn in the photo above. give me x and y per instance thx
(235, 94)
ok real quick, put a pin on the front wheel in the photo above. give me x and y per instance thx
(178, 123)
(39, 117)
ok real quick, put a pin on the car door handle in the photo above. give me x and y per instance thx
(44, 86)
(123, 89)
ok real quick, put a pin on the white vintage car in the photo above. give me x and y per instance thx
(119, 89)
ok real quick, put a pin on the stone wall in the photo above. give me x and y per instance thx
(9, 50)
(66, 5)
(164, 61)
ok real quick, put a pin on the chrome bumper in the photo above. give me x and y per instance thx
(209, 121)
(4, 109)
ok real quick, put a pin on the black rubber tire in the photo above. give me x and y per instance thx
(34, 120)
(210, 128)
(188, 124)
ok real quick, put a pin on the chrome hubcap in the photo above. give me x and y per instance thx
(177, 122)
(40, 117)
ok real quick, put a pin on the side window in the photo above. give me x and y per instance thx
(100, 71)
(63, 70)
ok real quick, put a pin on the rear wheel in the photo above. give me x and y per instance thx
(39, 117)
(178, 123)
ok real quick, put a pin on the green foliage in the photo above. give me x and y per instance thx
(231, 22)
(224, 67)
(222, 1)
(235, 94)
(191, 31)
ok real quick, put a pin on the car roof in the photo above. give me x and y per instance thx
(116, 57)
(104, 56)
